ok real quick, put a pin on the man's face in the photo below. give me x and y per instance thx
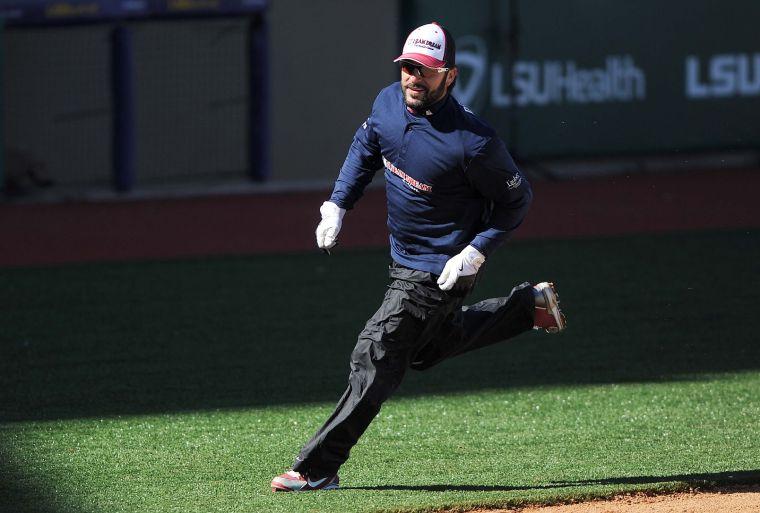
(422, 86)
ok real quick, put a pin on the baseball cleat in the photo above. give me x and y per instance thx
(548, 315)
(292, 481)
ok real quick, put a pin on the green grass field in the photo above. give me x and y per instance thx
(186, 385)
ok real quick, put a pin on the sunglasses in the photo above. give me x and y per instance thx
(419, 70)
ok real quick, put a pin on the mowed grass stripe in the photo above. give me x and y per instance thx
(492, 448)
(185, 386)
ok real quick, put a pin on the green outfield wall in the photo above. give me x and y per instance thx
(600, 77)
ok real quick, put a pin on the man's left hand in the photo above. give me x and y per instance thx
(465, 263)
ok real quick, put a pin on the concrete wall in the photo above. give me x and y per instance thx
(191, 100)
(57, 101)
(329, 59)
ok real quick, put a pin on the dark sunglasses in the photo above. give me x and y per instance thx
(419, 70)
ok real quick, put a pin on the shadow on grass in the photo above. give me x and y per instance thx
(453, 488)
(708, 480)
(112, 339)
(737, 477)
(22, 492)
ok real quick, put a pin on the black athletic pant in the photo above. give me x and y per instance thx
(417, 326)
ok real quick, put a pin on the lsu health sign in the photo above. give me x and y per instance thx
(723, 76)
(597, 77)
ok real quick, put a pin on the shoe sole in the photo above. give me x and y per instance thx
(280, 487)
(286, 489)
(552, 305)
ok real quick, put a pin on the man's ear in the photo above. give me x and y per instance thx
(451, 76)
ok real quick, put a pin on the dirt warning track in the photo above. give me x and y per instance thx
(729, 500)
(40, 234)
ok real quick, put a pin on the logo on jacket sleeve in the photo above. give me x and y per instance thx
(514, 182)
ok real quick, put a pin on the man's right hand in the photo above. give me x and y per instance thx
(466, 263)
(329, 227)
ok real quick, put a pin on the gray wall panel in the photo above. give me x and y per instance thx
(191, 100)
(329, 61)
(57, 102)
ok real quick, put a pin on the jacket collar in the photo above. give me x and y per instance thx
(432, 109)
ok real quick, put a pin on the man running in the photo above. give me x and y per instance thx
(454, 195)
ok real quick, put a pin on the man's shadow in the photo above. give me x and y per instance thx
(709, 480)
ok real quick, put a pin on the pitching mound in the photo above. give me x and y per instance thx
(744, 499)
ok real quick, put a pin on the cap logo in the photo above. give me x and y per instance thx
(424, 42)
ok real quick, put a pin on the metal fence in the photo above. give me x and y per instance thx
(96, 95)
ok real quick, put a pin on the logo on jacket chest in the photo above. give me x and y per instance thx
(408, 180)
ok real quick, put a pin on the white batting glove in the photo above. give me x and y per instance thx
(465, 263)
(332, 219)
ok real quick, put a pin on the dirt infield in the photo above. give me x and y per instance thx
(731, 500)
(40, 234)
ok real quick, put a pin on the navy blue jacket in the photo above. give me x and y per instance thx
(450, 181)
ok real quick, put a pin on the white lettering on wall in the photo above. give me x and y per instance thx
(723, 76)
(556, 82)
(541, 83)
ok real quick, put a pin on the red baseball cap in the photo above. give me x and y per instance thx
(430, 45)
